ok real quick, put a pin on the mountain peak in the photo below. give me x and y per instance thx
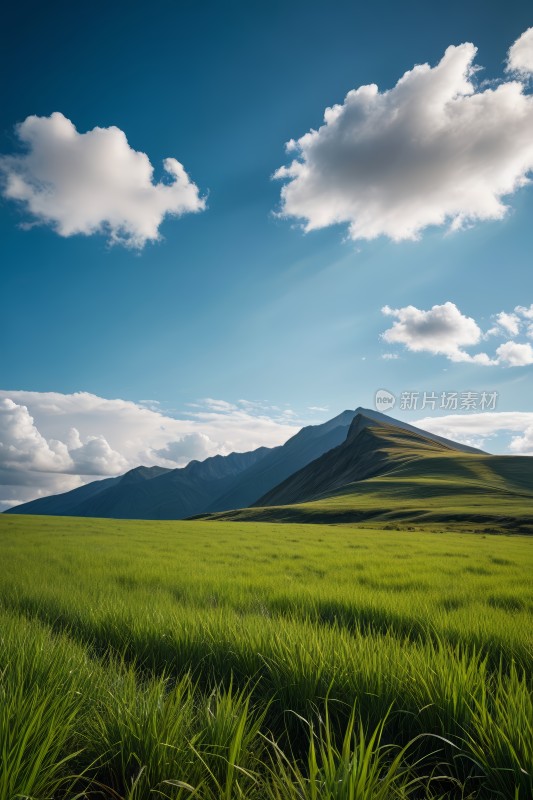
(367, 417)
(360, 410)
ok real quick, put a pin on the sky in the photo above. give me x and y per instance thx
(222, 221)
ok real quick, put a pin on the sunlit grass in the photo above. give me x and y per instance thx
(222, 660)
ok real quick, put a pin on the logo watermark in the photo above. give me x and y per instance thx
(384, 400)
(433, 401)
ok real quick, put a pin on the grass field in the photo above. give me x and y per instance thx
(271, 662)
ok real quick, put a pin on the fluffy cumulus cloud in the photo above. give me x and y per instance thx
(435, 149)
(192, 446)
(477, 428)
(523, 443)
(94, 456)
(52, 442)
(442, 330)
(514, 323)
(525, 311)
(526, 314)
(520, 56)
(515, 354)
(445, 330)
(94, 182)
(22, 445)
(506, 322)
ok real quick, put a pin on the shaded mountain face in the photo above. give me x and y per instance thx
(218, 483)
(281, 462)
(66, 504)
(149, 492)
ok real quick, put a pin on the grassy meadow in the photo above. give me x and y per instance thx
(224, 660)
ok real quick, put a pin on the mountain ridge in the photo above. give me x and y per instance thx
(384, 472)
(215, 484)
(361, 456)
(359, 465)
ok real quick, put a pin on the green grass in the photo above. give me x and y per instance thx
(262, 661)
(453, 501)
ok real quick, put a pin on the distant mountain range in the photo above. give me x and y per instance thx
(216, 484)
(361, 465)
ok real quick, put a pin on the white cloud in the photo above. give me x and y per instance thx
(513, 322)
(445, 330)
(218, 405)
(18, 487)
(192, 446)
(24, 449)
(435, 149)
(520, 56)
(525, 312)
(94, 182)
(510, 322)
(5, 504)
(469, 428)
(52, 442)
(389, 356)
(442, 330)
(527, 315)
(95, 456)
(515, 354)
(523, 445)
(22, 445)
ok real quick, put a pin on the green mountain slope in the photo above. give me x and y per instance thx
(383, 472)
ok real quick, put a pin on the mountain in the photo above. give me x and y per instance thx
(360, 465)
(149, 492)
(378, 416)
(64, 504)
(307, 445)
(372, 447)
(387, 471)
(216, 484)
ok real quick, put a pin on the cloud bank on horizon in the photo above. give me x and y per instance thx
(475, 429)
(436, 149)
(52, 442)
(445, 330)
(94, 182)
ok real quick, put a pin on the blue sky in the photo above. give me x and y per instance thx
(233, 301)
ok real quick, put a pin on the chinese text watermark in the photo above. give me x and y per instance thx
(433, 401)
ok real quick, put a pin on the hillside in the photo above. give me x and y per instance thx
(385, 472)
